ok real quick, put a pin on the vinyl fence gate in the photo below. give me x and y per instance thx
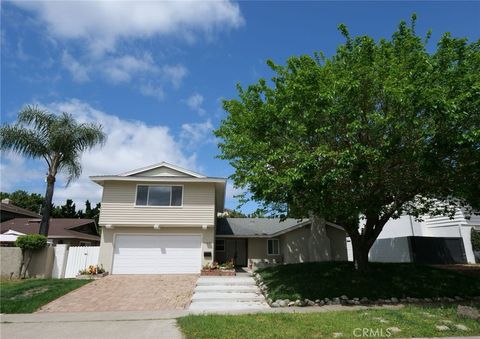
(79, 258)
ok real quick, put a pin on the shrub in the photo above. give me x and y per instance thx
(31, 242)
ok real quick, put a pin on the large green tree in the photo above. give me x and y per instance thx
(58, 139)
(378, 129)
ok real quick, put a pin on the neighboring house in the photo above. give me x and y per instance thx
(75, 232)
(9, 211)
(435, 240)
(163, 219)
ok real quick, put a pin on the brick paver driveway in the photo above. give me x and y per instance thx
(128, 293)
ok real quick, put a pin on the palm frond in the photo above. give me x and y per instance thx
(72, 167)
(28, 142)
(39, 119)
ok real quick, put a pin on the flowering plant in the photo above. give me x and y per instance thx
(92, 270)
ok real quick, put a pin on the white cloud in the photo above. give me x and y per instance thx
(78, 71)
(101, 24)
(195, 134)
(131, 144)
(174, 74)
(146, 76)
(16, 170)
(195, 102)
(122, 69)
(151, 90)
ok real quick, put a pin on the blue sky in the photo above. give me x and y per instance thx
(154, 73)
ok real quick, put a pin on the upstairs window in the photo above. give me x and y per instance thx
(159, 195)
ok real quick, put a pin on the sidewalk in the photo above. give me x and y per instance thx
(101, 325)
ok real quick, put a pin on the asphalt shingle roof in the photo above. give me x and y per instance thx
(255, 226)
(58, 228)
(18, 210)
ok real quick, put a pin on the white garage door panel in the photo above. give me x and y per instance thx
(157, 254)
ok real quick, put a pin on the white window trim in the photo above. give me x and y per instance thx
(273, 247)
(148, 193)
(217, 250)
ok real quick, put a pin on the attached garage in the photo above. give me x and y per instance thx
(157, 254)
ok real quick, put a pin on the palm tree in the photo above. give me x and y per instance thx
(59, 139)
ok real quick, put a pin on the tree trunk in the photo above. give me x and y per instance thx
(360, 254)
(26, 259)
(47, 208)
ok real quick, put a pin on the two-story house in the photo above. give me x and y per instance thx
(158, 219)
(163, 219)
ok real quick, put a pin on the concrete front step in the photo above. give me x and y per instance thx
(217, 294)
(227, 296)
(202, 306)
(226, 288)
(210, 281)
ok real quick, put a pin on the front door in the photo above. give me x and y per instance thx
(236, 249)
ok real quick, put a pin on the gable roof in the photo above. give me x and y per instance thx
(59, 227)
(141, 176)
(257, 227)
(261, 227)
(163, 164)
(9, 207)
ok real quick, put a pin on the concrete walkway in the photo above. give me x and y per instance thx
(225, 294)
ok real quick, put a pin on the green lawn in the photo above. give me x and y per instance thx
(411, 320)
(26, 296)
(333, 279)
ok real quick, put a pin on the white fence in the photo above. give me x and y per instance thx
(80, 258)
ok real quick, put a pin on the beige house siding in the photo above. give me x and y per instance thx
(338, 244)
(118, 206)
(306, 244)
(258, 252)
(315, 242)
(107, 244)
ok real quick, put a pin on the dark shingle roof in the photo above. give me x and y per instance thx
(256, 226)
(18, 210)
(59, 227)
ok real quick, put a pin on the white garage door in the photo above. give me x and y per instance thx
(157, 254)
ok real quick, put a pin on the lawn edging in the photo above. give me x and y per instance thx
(345, 300)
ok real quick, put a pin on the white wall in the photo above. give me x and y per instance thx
(59, 261)
(439, 226)
(405, 226)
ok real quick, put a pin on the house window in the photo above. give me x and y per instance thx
(220, 245)
(159, 195)
(85, 243)
(273, 247)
